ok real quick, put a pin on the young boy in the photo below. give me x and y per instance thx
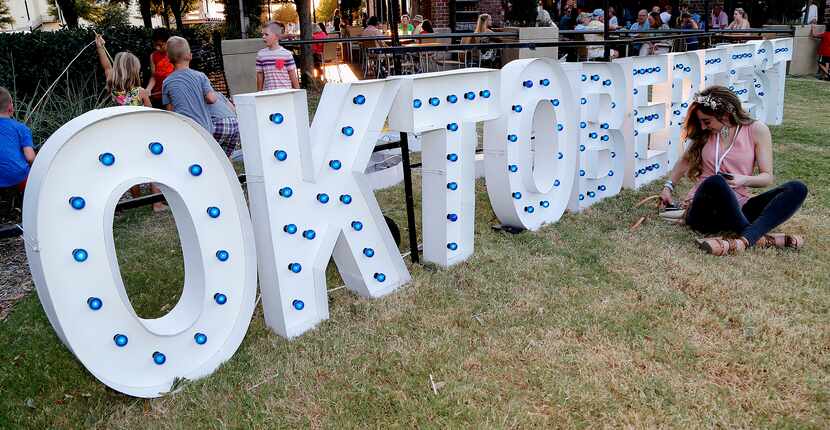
(275, 67)
(160, 66)
(16, 152)
(189, 92)
(823, 53)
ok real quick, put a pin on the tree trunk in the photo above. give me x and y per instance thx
(146, 15)
(306, 58)
(70, 15)
(176, 8)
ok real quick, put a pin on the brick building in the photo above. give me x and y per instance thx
(459, 15)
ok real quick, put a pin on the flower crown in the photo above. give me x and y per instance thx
(712, 103)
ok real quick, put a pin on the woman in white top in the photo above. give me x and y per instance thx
(740, 20)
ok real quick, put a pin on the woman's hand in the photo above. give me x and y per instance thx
(738, 181)
(99, 41)
(665, 197)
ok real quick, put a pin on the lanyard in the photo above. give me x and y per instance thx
(718, 158)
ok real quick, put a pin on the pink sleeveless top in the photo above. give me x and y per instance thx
(739, 160)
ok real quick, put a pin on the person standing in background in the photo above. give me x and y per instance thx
(718, 19)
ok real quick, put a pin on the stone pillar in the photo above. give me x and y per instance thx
(533, 34)
(804, 51)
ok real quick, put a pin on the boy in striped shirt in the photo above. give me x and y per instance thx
(275, 67)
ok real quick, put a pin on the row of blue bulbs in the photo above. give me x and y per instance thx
(452, 98)
(646, 70)
(651, 117)
(780, 50)
(649, 168)
(278, 118)
(713, 61)
(740, 56)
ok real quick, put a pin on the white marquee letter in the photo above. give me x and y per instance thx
(310, 198)
(77, 179)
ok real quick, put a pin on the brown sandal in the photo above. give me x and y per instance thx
(719, 247)
(781, 240)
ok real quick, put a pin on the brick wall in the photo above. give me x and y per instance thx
(438, 12)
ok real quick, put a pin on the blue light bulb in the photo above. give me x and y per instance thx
(517, 108)
(335, 164)
(434, 101)
(544, 203)
(582, 124)
(156, 148)
(346, 199)
(529, 209)
(512, 137)
(452, 186)
(583, 100)
(286, 192)
(369, 252)
(517, 195)
(298, 305)
(452, 157)
(380, 277)
(602, 188)
(77, 203)
(347, 130)
(220, 298)
(604, 126)
(544, 82)
(527, 84)
(195, 170)
(200, 338)
(581, 172)
(280, 155)
(106, 159)
(581, 148)
(484, 93)
(555, 102)
(613, 105)
(470, 95)
(582, 197)
(357, 225)
(584, 78)
(120, 340)
(613, 154)
(513, 168)
(309, 234)
(290, 228)
(560, 127)
(452, 126)
(94, 303)
(591, 194)
(80, 255)
(610, 173)
(594, 78)
(295, 267)
(604, 138)
(556, 183)
(452, 246)
(452, 98)
(416, 103)
(159, 358)
(213, 212)
(452, 217)
(222, 255)
(276, 118)
(323, 198)
(560, 155)
(359, 99)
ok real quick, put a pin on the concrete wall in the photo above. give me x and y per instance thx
(533, 34)
(239, 57)
(804, 51)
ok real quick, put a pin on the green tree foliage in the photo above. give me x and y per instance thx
(253, 10)
(6, 20)
(111, 15)
(325, 11)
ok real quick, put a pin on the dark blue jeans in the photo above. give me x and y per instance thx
(715, 209)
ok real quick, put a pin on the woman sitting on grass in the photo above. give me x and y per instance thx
(724, 147)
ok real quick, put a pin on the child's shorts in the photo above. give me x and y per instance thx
(824, 59)
(226, 133)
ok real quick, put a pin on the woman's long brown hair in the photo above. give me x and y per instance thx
(726, 104)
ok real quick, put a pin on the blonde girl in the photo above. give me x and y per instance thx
(123, 77)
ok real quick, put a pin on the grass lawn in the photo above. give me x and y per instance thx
(582, 324)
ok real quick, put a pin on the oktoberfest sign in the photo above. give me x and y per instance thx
(556, 137)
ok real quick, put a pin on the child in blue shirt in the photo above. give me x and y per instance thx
(16, 152)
